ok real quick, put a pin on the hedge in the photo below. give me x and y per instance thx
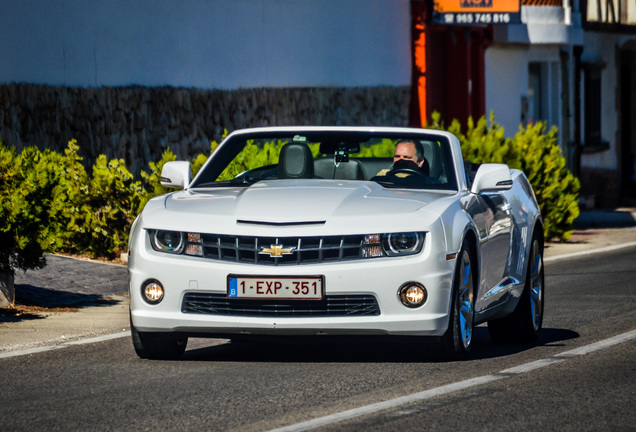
(49, 202)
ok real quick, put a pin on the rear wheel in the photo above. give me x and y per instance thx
(457, 341)
(525, 323)
(157, 346)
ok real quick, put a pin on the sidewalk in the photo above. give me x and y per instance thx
(72, 299)
(69, 299)
(597, 229)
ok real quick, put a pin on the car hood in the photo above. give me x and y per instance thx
(293, 203)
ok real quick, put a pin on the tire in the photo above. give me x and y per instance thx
(457, 341)
(524, 324)
(157, 346)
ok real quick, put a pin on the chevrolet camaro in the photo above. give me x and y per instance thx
(337, 231)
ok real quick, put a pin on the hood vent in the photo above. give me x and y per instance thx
(279, 224)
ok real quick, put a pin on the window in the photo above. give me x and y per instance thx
(535, 93)
(592, 106)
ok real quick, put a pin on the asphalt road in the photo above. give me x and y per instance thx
(224, 386)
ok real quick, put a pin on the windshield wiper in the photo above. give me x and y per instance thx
(244, 181)
(232, 182)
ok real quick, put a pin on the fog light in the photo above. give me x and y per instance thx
(412, 294)
(152, 292)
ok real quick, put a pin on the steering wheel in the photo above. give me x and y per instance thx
(395, 171)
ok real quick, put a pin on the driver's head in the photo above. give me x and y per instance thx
(409, 150)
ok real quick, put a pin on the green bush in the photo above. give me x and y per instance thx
(533, 150)
(152, 179)
(91, 214)
(25, 192)
(50, 203)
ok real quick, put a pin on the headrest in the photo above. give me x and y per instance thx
(295, 161)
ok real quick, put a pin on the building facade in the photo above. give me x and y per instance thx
(568, 63)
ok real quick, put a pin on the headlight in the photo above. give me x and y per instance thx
(167, 241)
(394, 244)
(407, 243)
(175, 242)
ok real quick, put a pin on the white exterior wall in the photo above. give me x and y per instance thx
(223, 44)
(601, 47)
(542, 35)
(507, 82)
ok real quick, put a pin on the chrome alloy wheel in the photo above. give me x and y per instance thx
(536, 286)
(465, 298)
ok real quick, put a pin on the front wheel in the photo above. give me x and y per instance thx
(457, 341)
(157, 346)
(525, 323)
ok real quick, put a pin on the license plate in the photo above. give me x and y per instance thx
(258, 287)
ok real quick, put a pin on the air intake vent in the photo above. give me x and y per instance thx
(330, 306)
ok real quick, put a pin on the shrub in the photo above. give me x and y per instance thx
(25, 190)
(50, 203)
(536, 152)
(113, 200)
(152, 179)
(68, 206)
(557, 190)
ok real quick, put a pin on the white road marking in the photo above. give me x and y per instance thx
(599, 345)
(449, 388)
(100, 338)
(64, 345)
(392, 403)
(530, 366)
(30, 351)
(589, 252)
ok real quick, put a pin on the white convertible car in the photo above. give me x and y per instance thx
(307, 231)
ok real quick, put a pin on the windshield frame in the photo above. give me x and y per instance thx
(236, 142)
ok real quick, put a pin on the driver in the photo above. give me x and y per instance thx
(408, 154)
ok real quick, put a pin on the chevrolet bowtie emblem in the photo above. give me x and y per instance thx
(276, 250)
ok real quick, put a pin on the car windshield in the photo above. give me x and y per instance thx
(421, 161)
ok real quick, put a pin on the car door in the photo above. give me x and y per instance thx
(493, 211)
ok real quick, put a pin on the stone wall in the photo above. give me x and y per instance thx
(138, 123)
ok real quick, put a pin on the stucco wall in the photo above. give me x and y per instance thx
(506, 83)
(223, 44)
(601, 48)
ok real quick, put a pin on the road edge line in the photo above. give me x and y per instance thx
(46, 348)
(589, 252)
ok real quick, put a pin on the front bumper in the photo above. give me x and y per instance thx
(380, 277)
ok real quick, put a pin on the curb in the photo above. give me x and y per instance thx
(619, 218)
(588, 252)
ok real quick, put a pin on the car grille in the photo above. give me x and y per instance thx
(330, 306)
(306, 250)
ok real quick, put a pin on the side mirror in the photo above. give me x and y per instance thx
(492, 178)
(176, 174)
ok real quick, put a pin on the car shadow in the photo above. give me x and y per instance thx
(485, 348)
(32, 302)
(351, 350)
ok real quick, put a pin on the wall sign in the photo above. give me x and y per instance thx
(476, 12)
